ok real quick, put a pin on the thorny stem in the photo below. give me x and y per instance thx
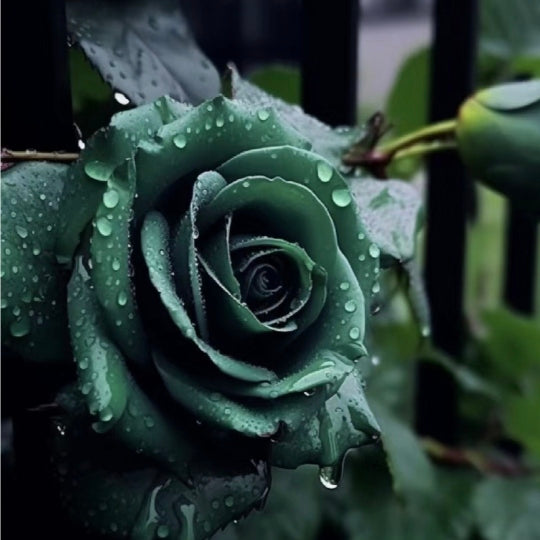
(10, 156)
(433, 138)
(440, 130)
(423, 149)
(473, 458)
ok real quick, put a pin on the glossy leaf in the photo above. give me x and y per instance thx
(293, 510)
(392, 213)
(327, 142)
(507, 509)
(143, 49)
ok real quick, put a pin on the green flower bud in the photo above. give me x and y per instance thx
(498, 133)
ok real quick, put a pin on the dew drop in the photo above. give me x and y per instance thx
(344, 285)
(115, 264)
(220, 121)
(376, 288)
(111, 198)
(106, 415)
(374, 250)
(98, 170)
(330, 476)
(21, 231)
(180, 140)
(324, 171)
(149, 422)
(83, 363)
(249, 125)
(122, 298)
(229, 501)
(118, 96)
(341, 197)
(104, 226)
(425, 331)
(20, 328)
(350, 306)
(354, 332)
(263, 115)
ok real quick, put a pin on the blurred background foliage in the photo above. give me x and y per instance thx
(488, 486)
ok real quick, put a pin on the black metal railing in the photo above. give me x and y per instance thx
(36, 106)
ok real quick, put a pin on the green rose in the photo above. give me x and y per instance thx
(498, 133)
(219, 275)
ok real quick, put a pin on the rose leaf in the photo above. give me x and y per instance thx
(329, 143)
(34, 319)
(143, 49)
(392, 213)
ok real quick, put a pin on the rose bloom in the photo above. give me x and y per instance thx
(217, 273)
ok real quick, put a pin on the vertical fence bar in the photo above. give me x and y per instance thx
(452, 67)
(330, 60)
(521, 260)
(36, 107)
(36, 96)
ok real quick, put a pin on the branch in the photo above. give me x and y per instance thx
(433, 138)
(13, 156)
(502, 466)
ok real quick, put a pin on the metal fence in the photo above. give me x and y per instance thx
(36, 106)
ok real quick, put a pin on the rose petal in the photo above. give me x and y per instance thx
(104, 151)
(205, 137)
(318, 175)
(110, 250)
(155, 245)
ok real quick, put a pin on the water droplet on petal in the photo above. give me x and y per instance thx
(21, 231)
(122, 298)
(98, 170)
(354, 332)
(341, 197)
(344, 285)
(180, 140)
(106, 414)
(324, 171)
(330, 476)
(111, 198)
(104, 226)
(229, 501)
(374, 250)
(20, 328)
(350, 306)
(83, 363)
(263, 115)
(376, 288)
